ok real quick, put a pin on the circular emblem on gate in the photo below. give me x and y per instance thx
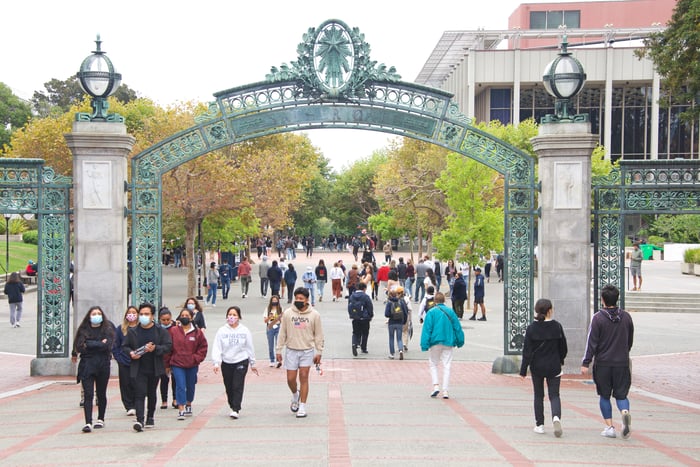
(334, 56)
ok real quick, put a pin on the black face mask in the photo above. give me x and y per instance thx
(184, 321)
(275, 303)
(299, 304)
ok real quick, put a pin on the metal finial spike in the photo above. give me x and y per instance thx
(564, 44)
(98, 42)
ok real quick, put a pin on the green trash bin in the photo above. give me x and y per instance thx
(648, 250)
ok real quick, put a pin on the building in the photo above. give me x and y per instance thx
(497, 75)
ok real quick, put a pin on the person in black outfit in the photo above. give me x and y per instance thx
(544, 351)
(93, 342)
(360, 326)
(146, 344)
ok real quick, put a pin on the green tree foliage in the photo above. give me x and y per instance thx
(676, 53)
(314, 204)
(683, 228)
(14, 114)
(517, 136)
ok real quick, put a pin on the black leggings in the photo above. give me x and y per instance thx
(92, 384)
(234, 382)
(553, 383)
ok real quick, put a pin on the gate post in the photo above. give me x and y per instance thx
(100, 161)
(564, 252)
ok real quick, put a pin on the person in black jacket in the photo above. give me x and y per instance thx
(459, 294)
(14, 288)
(361, 312)
(544, 351)
(397, 312)
(93, 342)
(146, 344)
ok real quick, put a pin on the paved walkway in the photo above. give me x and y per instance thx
(369, 410)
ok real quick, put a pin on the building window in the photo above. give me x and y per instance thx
(535, 103)
(554, 19)
(501, 105)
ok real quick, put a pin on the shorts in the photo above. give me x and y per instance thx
(295, 359)
(636, 271)
(615, 380)
(478, 300)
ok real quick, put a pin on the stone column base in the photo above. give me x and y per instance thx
(52, 367)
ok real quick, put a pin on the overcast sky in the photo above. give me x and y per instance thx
(174, 51)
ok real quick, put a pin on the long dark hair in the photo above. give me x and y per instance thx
(14, 277)
(106, 325)
(542, 306)
(279, 304)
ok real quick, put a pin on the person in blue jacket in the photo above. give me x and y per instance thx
(441, 333)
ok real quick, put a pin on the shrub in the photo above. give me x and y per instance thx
(31, 236)
(656, 240)
(692, 255)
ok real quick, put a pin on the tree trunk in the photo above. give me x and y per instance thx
(190, 230)
(420, 241)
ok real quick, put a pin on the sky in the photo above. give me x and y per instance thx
(172, 51)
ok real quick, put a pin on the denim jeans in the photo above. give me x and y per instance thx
(395, 330)
(320, 285)
(420, 289)
(225, 287)
(211, 294)
(185, 381)
(407, 287)
(312, 294)
(272, 342)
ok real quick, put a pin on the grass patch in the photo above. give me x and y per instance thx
(20, 254)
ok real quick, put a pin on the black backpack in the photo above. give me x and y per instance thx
(429, 303)
(356, 308)
(397, 311)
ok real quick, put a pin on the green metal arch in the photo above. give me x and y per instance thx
(393, 107)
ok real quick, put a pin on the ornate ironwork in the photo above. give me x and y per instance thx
(27, 187)
(637, 187)
(335, 84)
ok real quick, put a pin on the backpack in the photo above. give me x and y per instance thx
(397, 311)
(355, 307)
(429, 303)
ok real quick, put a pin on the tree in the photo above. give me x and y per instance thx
(676, 53)
(14, 114)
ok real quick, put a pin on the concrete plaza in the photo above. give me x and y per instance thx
(371, 410)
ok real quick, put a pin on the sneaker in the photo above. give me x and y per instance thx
(483, 318)
(400, 354)
(473, 318)
(131, 412)
(87, 428)
(17, 325)
(272, 364)
(82, 403)
(626, 423)
(181, 415)
(436, 391)
(405, 349)
(354, 351)
(150, 423)
(608, 432)
(233, 415)
(391, 356)
(279, 364)
(557, 427)
(188, 410)
(364, 351)
(302, 411)
(294, 406)
(445, 395)
(99, 424)
(539, 429)
(138, 427)
(164, 406)
(243, 296)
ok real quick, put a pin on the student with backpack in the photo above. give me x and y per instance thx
(397, 312)
(427, 303)
(361, 312)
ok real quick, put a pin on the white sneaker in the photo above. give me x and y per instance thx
(557, 427)
(131, 412)
(233, 415)
(272, 364)
(539, 429)
(626, 423)
(391, 356)
(445, 394)
(294, 406)
(609, 432)
(302, 411)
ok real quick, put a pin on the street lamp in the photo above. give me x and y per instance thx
(7, 243)
(563, 79)
(99, 79)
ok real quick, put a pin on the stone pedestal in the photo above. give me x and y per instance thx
(564, 230)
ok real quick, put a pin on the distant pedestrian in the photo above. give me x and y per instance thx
(212, 283)
(440, 335)
(387, 252)
(321, 278)
(225, 278)
(397, 312)
(407, 330)
(421, 269)
(450, 275)
(271, 317)
(263, 267)
(479, 293)
(610, 338)
(459, 294)
(290, 278)
(337, 275)
(275, 277)
(14, 288)
(500, 260)
(544, 351)
(93, 343)
(309, 280)
(361, 312)
(244, 269)
(636, 267)
(233, 351)
(410, 278)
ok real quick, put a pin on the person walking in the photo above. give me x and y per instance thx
(479, 293)
(244, 269)
(450, 276)
(608, 346)
(93, 343)
(212, 283)
(309, 280)
(440, 335)
(459, 294)
(195, 308)
(275, 276)
(189, 349)
(336, 275)
(234, 353)
(166, 321)
(544, 351)
(636, 267)
(410, 278)
(421, 269)
(290, 278)
(126, 384)
(225, 278)
(397, 312)
(146, 344)
(271, 317)
(353, 279)
(263, 267)
(13, 290)
(301, 336)
(321, 278)
(361, 312)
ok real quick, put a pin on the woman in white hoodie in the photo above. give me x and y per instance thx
(233, 351)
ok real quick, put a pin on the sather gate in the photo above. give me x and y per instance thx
(334, 84)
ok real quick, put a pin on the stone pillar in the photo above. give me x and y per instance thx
(564, 230)
(100, 162)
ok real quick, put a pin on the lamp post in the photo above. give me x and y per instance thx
(563, 79)
(200, 262)
(7, 243)
(99, 79)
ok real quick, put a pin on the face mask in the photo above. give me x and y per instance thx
(166, 326)
(144, 320)
(232, 319)
(97, 319)
(184, 321)
(275, 303)
(190, 306)
(299, 304)
(131, 317)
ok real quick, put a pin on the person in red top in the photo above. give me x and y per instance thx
(383, 278)
(189, 350)
(244, 274)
